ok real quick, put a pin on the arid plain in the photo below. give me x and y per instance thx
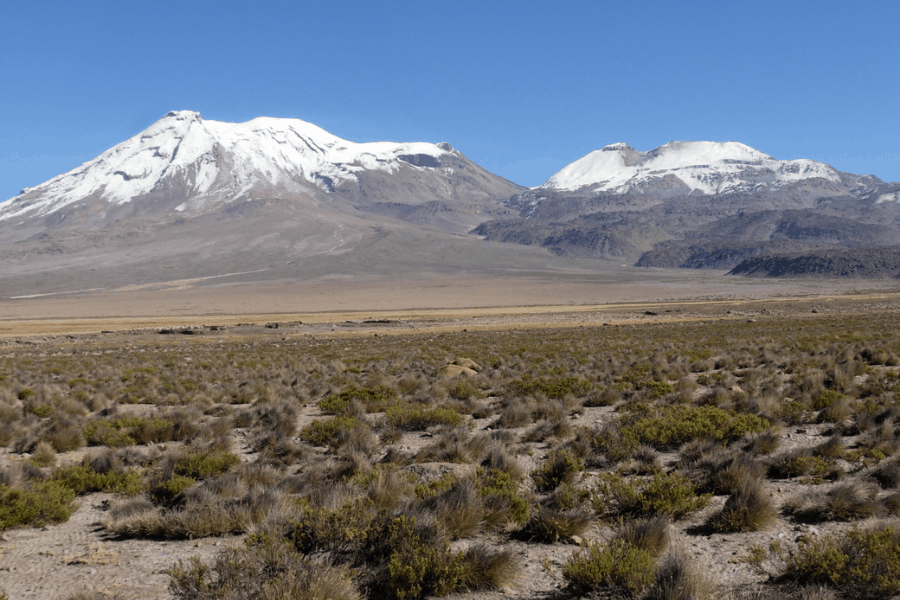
(526, 422)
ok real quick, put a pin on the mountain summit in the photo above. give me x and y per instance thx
(185, 164)
(699, 204)
(685, 167)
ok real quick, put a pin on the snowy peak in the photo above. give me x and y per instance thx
(700, 167)
(212, 162)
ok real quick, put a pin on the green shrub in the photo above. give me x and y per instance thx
(617, 565)
(200, 465)
(46, 502)
(128, 431)
(862, 563)
(375, 399)
(665, 494)
(550, 525)
(502, 500)
(413, 418)
(165, 491)
(676, 425)
(82, 479)
(561, 467)
(325, 432)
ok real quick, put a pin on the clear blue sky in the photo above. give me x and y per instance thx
(522, 87)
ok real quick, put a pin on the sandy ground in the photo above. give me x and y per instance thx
(444, 298)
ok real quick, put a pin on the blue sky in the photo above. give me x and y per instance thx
(522, 88)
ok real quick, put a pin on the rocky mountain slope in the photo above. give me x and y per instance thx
(869, 263)
(193, 198)
(699, 205)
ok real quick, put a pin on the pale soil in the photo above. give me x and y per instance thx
(60, 560)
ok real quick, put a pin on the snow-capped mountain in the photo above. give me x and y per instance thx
(695, 167)
(185, 164)
(621, 202)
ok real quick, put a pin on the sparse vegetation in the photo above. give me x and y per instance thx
(372, 466)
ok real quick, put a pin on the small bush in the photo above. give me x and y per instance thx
(487, 569)
(374, 399)
(82, 479)
(749, 508)
(652, 535)
(676, 425)
(863, 563)
(200, 465)
(325, 432)
(678, 579)
(666, 494)
(266, 569)
(413, 418)
(844, 502)
(46, 502)
(616, 565)
(561, 467)
(550, 525)
(503, 504)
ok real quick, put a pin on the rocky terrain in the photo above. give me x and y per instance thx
(869, 263)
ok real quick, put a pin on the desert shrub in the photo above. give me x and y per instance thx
(515, 413)
(503, 504)
(374, 399)
(128, 431)
(462, 388)
(200, 465)
(862, 563)
(45, 502)
(414, 418)
(887, 474)
(267, 568)
(324, 432)
(455, 444)
(460, 510)
(44, 455)
(616, 565)
(652, 535)
(749, 508)
(665, 494)
(550, 525)
(843, 502)
(561, 467)
(164, 491)
(677, 578)
(800, 462)
(552, 387)
(83, 479)
(675, 425)
(484, 568)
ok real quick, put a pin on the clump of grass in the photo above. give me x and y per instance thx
(843, 502)
(677, 578)
(617, 565)
(550, 525)
(749, 508)
(503, 504)
(561, 467)
(415, 418)
(652, 535)
(374, 399)
(265, 569)
(484, 568)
